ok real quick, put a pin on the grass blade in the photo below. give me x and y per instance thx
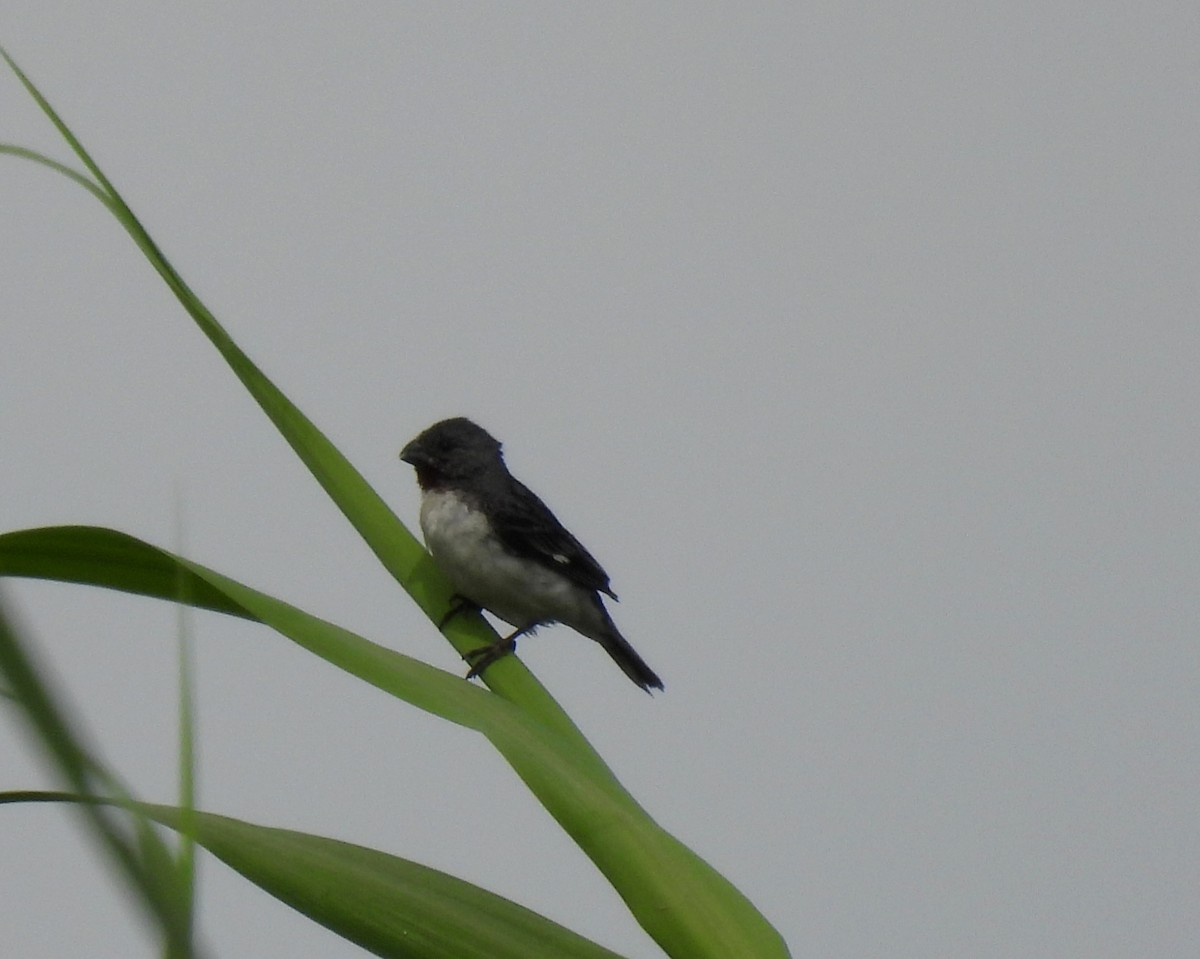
(388, 905)
(143, 862)
(686, 905)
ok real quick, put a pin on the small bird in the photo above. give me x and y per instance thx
(504, 551)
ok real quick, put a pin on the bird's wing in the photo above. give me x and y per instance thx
(527, 527)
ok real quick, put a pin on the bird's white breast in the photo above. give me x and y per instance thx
(519, 591)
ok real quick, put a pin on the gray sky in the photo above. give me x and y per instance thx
(859, 344)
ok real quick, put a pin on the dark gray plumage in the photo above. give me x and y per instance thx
(504, 551)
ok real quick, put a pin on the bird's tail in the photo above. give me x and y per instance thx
(627, 658)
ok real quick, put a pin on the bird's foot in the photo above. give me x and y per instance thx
(459, 604)
(483, 657)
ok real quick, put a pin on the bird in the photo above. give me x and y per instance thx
(504, 551)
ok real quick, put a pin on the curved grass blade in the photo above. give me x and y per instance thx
(103, 557)
(142, 860)
(388, 905)
(685, 905)
(34, 156)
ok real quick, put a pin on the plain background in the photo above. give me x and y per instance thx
(858, 342)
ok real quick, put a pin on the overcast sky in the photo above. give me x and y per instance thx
(858, 342)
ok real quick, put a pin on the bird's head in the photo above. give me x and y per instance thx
(451, 451)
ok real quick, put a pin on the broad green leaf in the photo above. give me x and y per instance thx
(688, 907)
(386, 904)
(391, 906)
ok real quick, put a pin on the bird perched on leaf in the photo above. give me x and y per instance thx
(504, 551)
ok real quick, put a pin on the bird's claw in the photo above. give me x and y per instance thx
(483, 657)
(459, 604)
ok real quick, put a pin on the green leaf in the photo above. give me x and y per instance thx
(687, 906)
(143, 862)
(389, 905)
